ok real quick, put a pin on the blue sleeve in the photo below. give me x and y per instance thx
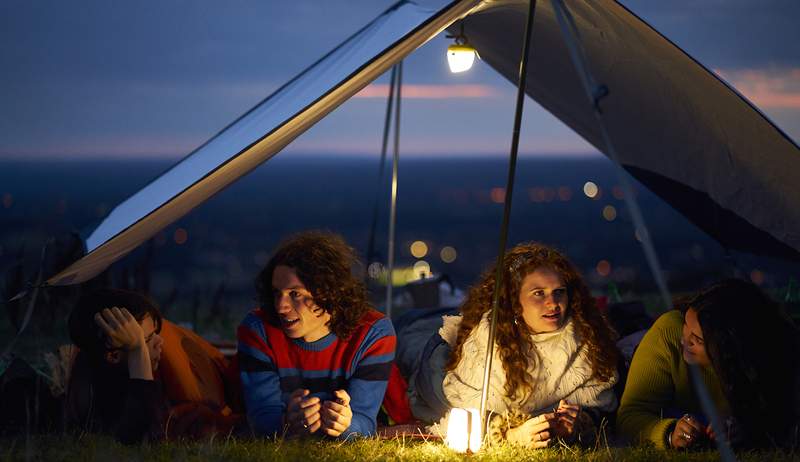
(372, 365)
(260, 380)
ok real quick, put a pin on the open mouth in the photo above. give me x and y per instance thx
(289, 323)
(552, 315)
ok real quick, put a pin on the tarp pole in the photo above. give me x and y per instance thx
(370, 255)
(595, 92)
(393, 206)
(512, 167)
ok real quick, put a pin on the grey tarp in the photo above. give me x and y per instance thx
(677, 127)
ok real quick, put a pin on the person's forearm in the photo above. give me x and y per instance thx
(360, 424)
(139, 366)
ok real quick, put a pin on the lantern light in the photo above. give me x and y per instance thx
(464, 430)
(460, 55)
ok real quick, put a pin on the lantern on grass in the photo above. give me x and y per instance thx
(464, 430)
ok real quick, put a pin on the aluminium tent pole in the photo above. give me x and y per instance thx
(370, 255)
(595, 92)
(393, 207)
(512, 166)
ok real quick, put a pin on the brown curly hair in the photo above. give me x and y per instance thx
(513, 339)
(324, 263)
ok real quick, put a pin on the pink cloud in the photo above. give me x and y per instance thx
(767, 88)
(430, 91)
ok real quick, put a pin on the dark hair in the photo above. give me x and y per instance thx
(752, 346)
(83, 330)
(324, 263)
(513, 339)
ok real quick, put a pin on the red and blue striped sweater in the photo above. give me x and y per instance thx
(273, 366)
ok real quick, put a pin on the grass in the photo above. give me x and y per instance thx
(93, 447)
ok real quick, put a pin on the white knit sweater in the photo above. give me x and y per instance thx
(562, 371)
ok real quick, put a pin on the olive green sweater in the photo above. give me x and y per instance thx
(659, 387)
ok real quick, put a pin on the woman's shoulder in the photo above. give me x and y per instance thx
(670, 321)
(664, 333)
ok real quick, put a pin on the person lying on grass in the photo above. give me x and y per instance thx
(747, 352)
(554, 364)
(315, 357)
(138, 376)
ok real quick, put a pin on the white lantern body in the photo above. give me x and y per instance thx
(460, 57)
(464, 430)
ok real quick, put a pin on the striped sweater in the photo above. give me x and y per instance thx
(273, 366)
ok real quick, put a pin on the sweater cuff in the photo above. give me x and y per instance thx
(661, 431)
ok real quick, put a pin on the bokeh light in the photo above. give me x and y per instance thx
(448, 254)
(180, 236)
(422, 268)
(603, 268)
(590, 189)
(498, 195)
(419, 249)
(609, 212)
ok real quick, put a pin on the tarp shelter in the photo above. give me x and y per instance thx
(677, 127)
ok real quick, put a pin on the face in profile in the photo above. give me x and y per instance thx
(298, 314)
(116, 355)
(544, 300)
(693, 345)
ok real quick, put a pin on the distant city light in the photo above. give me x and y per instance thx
(603, 268)
(498, 195)
(180, 236)
(448, 254)
(590, 189)
(564, 193)
(8, 200)
(609, 212)
(757, 276)
(421, 268)
(375, 270)
(419, 249)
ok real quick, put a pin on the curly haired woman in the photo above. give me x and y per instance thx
(746, 350)
(556, 352)
(315, 357)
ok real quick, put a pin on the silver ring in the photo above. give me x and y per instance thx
(305, 425)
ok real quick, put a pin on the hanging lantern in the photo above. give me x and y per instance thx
(460, 55)
(464, 430)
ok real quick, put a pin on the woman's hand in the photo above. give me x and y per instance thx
(566, 416)
(121, 328)
(336, 415)
(302, 414)
(687, 432)
(534, 433)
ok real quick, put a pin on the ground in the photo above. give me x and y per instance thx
(90, 447)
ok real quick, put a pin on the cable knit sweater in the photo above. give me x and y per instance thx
(562, 371)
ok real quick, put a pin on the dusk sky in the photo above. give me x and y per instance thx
(156, 79)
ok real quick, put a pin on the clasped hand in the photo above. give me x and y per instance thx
(306, 415)
(539, 431)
